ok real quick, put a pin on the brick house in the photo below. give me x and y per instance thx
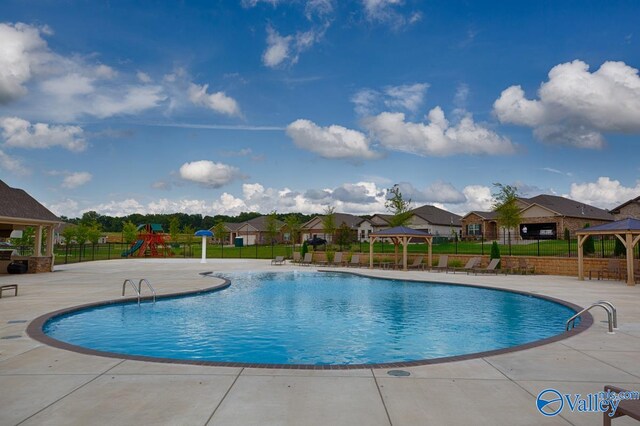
(630, 208)
(426, 218)
(254, 231)
(359, 227)
(543, 217)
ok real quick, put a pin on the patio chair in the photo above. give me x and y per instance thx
(279, 260)
(471, 264)
(355, 261)
(627, 407)
(417, 263)
(443, 263)
(308, 259)
(9, 287)
(507, 266)
(524, 267)
(492, 268)
(297, 257)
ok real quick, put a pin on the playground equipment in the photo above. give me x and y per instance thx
(151, 236)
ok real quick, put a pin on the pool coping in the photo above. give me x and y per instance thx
(35, 331)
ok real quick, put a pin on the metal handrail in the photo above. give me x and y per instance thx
(613, 310)
(571, 321)
(148, 285)
(137, 290)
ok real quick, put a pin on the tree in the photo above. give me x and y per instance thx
(588, 247)
(294, 227)
(329, 222)
(129, 232)
(69, 234)
(398, 206)
(94, 233)
(271, 227)
(505, 204)
(82, 234)
(495, 252)
(28, 238)
(189, 231)
(344, 235)
(220, 232)
(174, 228)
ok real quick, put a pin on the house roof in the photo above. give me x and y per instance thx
(232, 226)
(628, 224)
(623, 205)
(437, 216)
(260, 223)
(380, 219)
(484, 215)
(17, 204)
(567, 207)
(350, 220)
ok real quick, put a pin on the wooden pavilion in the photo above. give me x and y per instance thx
(400, 235)
(626, 230)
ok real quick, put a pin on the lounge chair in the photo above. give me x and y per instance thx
(492, 268)
(279, 260)
(337, 259)
(611, 270)
(627, 407)
(443, 263)
(417, 263)
(355, 260)
(9, 287)
(471, 265)
(507, 266)
(297, 257)
(308, 259)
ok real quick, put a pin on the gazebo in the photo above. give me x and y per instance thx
(400, 235)
(626, 230)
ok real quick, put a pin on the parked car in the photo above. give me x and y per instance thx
(316, 241)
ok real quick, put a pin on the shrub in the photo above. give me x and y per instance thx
(495, 252)
(305, 249)
(330, 256)
(567, 234)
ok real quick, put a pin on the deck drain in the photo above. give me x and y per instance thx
(16, 321)
(10, 337)
(398, 373)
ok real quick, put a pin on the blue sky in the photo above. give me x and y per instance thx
(229, 106)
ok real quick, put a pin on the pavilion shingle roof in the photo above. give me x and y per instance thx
(16, 203)
(628, 224)
(401, 230)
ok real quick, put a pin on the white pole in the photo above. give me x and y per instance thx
(204, 250)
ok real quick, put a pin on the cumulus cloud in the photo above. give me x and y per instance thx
(67, 207)
(408, 97)
(19, 133)
(330, 142)
(438, 192)
(387, 12)
(437, 137)
(575, 107)
(76, 179)
(23, 51)
(282, 50)
(218, 101)
(12, 164)
(208, 173)
(604, 192)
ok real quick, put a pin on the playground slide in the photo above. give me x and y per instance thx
(134, 248)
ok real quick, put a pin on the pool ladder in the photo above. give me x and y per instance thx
(138, 289)
(612, 315)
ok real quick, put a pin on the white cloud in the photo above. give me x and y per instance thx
(13, 165)
(218, 101)
(114, 208)
(604, 193)
(386, 12)
(576, 106)
(283, 50)
(132, 100)
(22, 53)
(143, 77)
(66, 207)
(76, 179)
(478, 197)
(19, 133)
(407, 97)
(208, 173)
(330, 142)
(437, 137)
(437, 192)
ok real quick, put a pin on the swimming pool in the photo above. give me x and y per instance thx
(316, 319)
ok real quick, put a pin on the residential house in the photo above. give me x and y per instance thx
(543, 217)
(254, 231)
(426, 218)
(630, 208)
(359, 227)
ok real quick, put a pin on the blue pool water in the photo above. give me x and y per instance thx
(316, 318)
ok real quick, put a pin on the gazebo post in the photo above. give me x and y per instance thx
(37, 252)
(405, 242)
(371, 241)
(581, 239)
(395, 251)
(429, 257)
(629, 244)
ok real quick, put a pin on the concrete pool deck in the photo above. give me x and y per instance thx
(45, 385)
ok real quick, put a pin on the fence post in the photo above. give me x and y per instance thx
(482, 244)
(108, 251)
(256, 250)
(538, 247)
(80, 254)
(569, 246)
(66, 252)
(602, 245)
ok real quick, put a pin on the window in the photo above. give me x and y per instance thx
(474, 229)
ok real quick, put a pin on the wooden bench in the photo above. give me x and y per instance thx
(9, 287)
(627, 407)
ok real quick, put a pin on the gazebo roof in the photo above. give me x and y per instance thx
(626, 225)
(401, 231)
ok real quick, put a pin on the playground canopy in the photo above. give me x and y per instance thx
(626, 230)
(400, 235)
